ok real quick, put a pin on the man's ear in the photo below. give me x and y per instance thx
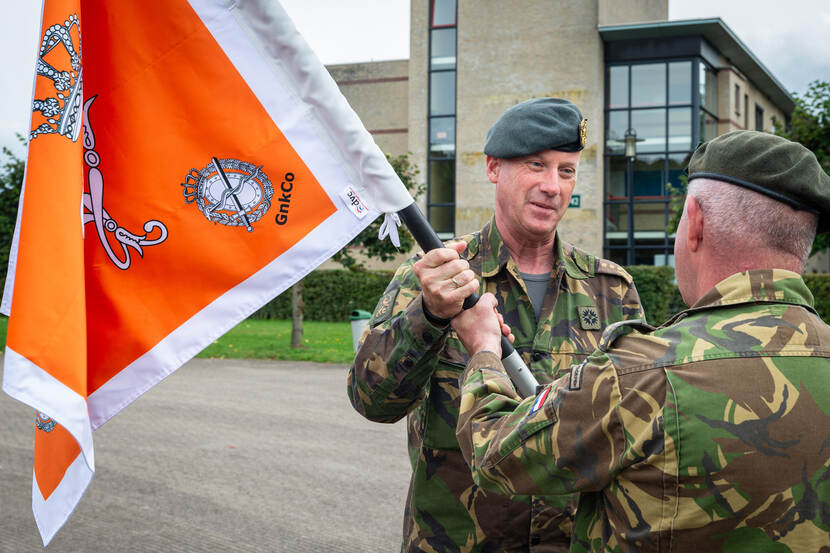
(493, 168)
(694, 218)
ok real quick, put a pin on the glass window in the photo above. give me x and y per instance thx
(759, 118)
(677, 168)
(737, 99)
(680, 82)
(615, 178)
(708, 127)
(708, 88)
(443, 13)
(618, 86)
(680, 128)
(651, 255)
(618, 255)
(617, 125)
(616, 220)
(443, 49)
(442, 93)
(648, 177)
(442, 181)
(650, 216)
(442, 219)
(650, 126)
(648, 85)
(442, 137)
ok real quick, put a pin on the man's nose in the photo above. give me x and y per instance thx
(550, 183)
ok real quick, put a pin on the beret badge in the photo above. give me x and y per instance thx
(583, 132)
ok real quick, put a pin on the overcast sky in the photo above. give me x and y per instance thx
(791, 38)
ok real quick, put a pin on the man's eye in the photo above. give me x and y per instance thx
(536, 164)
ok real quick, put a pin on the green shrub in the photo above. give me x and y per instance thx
(658, 292)
(819, 285)
(331, 295)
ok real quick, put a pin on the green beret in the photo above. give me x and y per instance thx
(535, 125)
(769, 164)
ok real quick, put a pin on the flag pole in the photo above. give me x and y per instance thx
(522, 378)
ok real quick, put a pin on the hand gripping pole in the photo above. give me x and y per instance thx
(522, 378)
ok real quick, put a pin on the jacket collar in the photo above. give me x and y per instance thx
(495, 257)
(755, 286)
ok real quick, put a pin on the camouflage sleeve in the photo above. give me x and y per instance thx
(632, 308)
(568, 438)
(397, 352)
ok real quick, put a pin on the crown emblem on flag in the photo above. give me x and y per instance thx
(59, 60)
(230, 192)
(44, 422)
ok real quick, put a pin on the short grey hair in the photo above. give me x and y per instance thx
(743, 218)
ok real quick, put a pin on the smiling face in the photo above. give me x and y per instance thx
(533, 192)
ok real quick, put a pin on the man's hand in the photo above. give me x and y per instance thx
(446, 280)
(480, 328)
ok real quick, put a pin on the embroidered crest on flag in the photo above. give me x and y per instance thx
(230, 192)
(44, 422)
(61, 111)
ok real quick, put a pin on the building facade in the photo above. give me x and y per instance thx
(651, 90)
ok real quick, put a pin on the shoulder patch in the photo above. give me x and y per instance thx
(607, 267)
(575, 378)
(621, 328)
(384, 308)
(588, 317)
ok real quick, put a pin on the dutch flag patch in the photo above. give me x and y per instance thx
(540, 400)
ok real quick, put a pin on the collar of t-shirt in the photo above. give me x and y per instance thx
(537, 285)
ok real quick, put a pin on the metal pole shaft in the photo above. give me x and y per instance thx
(522, 378)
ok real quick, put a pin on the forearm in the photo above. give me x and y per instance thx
(519, 446)
(394, 363)
(489, 405)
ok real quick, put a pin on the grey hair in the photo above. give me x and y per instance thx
(744, 220)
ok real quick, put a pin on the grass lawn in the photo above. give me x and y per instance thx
(261, 339)
(258, 339)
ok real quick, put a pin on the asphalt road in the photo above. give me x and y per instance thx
(223, 456)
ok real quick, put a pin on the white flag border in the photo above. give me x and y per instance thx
(230, 308)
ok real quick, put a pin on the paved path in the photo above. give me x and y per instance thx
(223, 456)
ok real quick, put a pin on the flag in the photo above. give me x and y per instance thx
(186, 164)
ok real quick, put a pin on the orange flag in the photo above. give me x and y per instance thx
(186, 164)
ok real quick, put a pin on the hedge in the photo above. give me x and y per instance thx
(658, 292)
(819, 285)
(331, 295)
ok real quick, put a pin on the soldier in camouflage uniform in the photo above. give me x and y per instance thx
(410, 359)
(711, 432)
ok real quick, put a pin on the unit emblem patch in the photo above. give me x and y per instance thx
(588, 317)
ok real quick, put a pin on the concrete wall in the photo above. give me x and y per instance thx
(617, 12)
(738, 113)
(379, 94)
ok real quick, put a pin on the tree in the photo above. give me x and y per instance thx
(365, 243)
(11, 182)
(810, 126)
(677, 197)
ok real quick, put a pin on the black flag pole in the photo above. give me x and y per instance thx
(522, 378)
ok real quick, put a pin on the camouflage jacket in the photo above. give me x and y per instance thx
(407, 366)
(711, 433)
